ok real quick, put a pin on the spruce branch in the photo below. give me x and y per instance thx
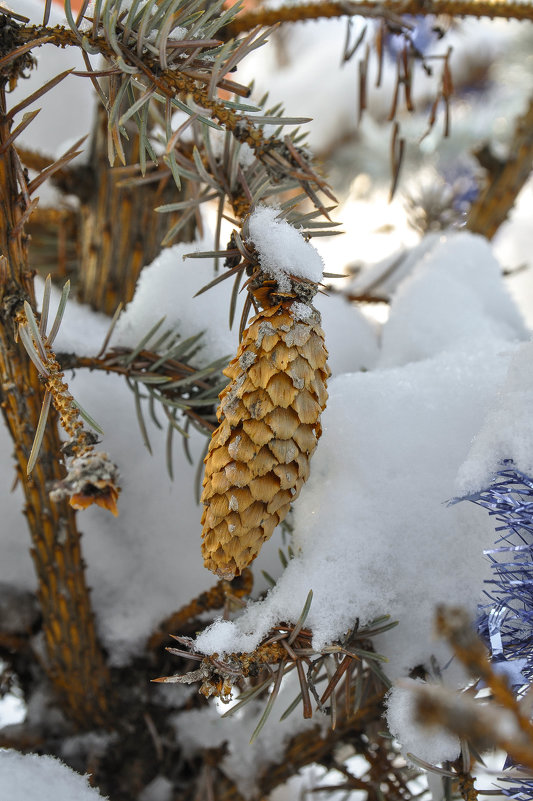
(167, 377)
(466, 784)
(92, 477)
(189, 86)
(119, 232)
(349, 664)
(375, 10)
(223, 170)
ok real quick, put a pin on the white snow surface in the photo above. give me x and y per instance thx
(431, 743)
(282, 249)
(159, 789)
(453, 296)
(28, 777)
(387, 274)
(506, 431)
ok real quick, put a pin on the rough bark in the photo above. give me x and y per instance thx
(74, 660)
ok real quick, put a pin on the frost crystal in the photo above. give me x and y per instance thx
(233, 447)
(266, 329)
(247, 359)
(301, 311)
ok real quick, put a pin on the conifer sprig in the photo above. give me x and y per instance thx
(330, 9)
(184, 73)
(338, 678)
(161, 374)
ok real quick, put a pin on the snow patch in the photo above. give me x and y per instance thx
(431, 743)
(506, 432)
(454, 295)
(25, 777)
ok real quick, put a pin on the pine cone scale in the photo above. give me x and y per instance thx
(258, 458)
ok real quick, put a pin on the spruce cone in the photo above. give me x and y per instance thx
(269, 414)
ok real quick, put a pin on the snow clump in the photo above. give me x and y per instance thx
(459, 278)
(28, 777)
(506, 431)
(430, 743)
(282, 249)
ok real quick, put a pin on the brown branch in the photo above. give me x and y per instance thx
(374, 9)
(453, 624)
(500, 722)
(12, 642)
(20, 740)
(467, 787)
(486, 725)
(366, 298)
(74, 660)
(504, 181)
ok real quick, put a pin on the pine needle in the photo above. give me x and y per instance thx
(39, 433)
(87, 417)
(59, 314)
(45, 306)
(270, 703)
